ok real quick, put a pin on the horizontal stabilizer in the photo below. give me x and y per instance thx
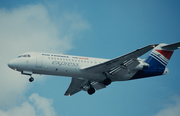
(173, 46)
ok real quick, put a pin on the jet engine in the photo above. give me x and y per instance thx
(142, 66)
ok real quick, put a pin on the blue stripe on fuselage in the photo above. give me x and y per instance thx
(159, 59)
(153, 62)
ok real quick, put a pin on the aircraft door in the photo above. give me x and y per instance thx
(38, 60)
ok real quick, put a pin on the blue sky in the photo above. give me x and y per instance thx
(104, 29)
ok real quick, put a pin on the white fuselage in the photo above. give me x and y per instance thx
(60, 65)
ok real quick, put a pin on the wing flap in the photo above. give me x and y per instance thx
(120, 75)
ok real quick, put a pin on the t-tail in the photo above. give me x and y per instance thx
(158, 60)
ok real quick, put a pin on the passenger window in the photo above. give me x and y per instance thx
(57, 58)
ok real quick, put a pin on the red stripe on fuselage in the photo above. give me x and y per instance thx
(165, 53)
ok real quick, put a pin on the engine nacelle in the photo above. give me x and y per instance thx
(142, 66)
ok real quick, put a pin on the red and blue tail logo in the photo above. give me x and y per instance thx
(159, 58)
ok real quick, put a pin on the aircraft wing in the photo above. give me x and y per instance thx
(120, 61)
(77, 85)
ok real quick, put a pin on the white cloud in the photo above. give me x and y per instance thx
(38, 106)
(27, 29)
(42, 105)
(172, 109)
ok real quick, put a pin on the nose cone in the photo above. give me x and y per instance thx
(12, 64)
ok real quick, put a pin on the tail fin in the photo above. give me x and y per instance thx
(161, 55)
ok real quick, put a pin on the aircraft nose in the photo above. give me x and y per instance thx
(12, 64)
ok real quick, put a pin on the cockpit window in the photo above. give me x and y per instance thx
(26, 55)
(20, 56)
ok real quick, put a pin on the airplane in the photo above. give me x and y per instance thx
(91, 74)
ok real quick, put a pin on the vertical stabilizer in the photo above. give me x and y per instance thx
(159, 57)
(158, 60)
